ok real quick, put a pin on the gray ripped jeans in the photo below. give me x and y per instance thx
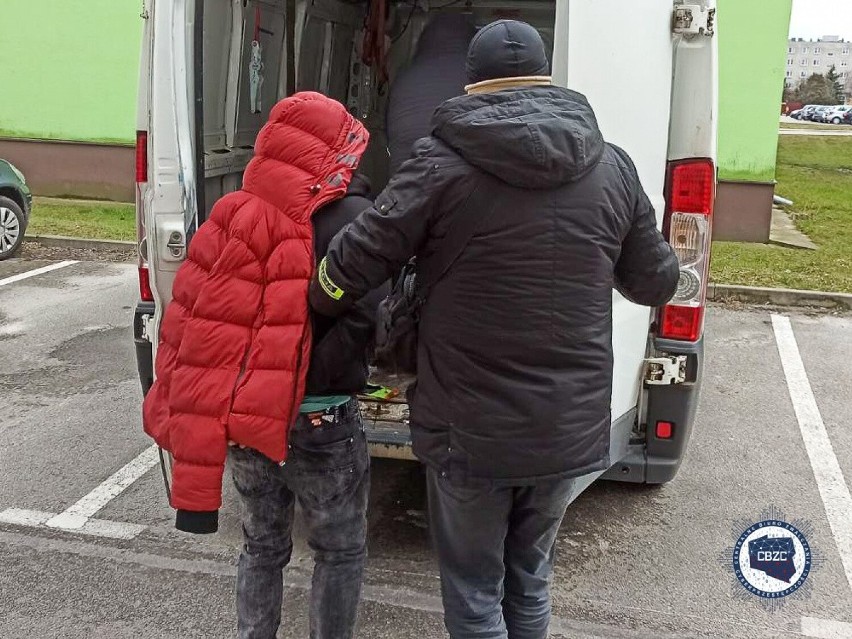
(327, 470)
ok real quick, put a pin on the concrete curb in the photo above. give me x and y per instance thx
(60, 241)
(778, 296)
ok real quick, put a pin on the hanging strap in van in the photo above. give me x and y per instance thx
(290, 17)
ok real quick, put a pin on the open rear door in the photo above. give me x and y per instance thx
(170, 201)
(619, 54)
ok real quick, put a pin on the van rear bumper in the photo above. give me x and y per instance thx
(655, 460)
(144, 349)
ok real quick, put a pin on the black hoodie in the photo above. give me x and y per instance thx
(339, 355)
(436, 74)
(515, 353)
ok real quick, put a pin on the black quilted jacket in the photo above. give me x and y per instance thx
(515, 354)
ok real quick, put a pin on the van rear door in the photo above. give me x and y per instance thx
(199, 133)
(167, 205)
(619, 54)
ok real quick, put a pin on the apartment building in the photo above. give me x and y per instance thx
(806, 57)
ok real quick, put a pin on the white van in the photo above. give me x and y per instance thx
(648, 67)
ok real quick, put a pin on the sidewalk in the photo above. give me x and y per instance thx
(847, 132)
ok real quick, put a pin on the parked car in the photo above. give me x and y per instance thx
(15, 204)
(818, 114)
(797, 114)
(183, 170)
(847, 117)
(805, 112)
(835, 115)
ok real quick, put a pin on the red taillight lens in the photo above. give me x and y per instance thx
(141, 157)
(665, 430)
(691, 187)
(145, 291)
(690, 195)
(681, 322)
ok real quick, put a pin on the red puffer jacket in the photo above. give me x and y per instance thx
(235, 340)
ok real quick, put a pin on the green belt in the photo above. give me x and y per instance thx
(320, 403)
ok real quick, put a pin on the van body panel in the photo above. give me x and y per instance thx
(597, 63)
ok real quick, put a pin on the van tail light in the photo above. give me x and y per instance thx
(690, 197)
(145, 292)
(141, 157)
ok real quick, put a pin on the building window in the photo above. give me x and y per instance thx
(803, 74)
(845, 52)
(844, 64)
(816, 62)
(830, 54)
(789, 74)
(804, 49)
(789, 49)
(817, 49)
(789, 62)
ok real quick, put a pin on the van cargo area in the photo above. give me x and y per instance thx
(330, 57)
(331, 47)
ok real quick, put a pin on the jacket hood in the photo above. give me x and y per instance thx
(538, 137)
(305, 155)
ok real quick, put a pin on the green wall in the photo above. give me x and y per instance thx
(69, 69)
(752, 65)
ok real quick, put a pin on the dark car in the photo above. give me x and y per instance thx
(847, 117)
(805, 112)
(15, 204)
(818, 114)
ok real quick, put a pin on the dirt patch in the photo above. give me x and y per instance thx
(79, 366)
(34, 251)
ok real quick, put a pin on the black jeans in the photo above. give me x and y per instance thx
(327, 470)
(495, 546)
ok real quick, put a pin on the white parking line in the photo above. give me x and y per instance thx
(93, 527)
(36, 271)
(829, 477)
(78, 515)
(825, 628)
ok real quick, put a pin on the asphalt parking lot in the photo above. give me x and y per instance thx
(87, 547)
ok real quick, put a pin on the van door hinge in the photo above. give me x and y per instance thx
(147, 328)
(176, 245)
(694, 19)
(665, 371)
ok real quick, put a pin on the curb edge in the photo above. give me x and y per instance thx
(778, 296)
(61, 241)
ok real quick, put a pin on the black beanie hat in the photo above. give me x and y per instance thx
(506, 49)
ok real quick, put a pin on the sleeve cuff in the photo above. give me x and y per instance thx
(198, 523)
